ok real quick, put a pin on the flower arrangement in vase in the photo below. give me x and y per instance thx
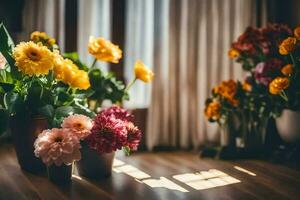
(40, 88)
(285, 85)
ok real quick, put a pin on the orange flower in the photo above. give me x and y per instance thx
(227, 89)
(297, 32)
(287, 69)
(287, 46)
(246, 86)
(278, 85)
(233, 53)
(212, 110)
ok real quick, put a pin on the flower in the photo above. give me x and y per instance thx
(264, 71)
(212, 110)
(104, 50)
(57, 146)
(108, 134)
(33, 59)
(297, 32)
(66, 71)
(42, 37)
(80, 125)
(142, 72)
(2, 61)
(233, 53)
(133, 136)
(278, 85)
(118, 113)
(227, 89)
(247, 86)
(287, 69)
(287, 46)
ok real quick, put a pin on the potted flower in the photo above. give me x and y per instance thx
(38, 88)
(224, 108)
(286, 86)
(113, 129)
(60, 147)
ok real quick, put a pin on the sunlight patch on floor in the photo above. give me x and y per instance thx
(206, 179)
(244, 170)
(163, 182)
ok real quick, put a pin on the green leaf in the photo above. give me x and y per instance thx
(47, 111)
(80, 109)
(6, 43)
(126, 150)
(7, 87)
(12, 101)
(63, 111)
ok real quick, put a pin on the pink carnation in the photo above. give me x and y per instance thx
(57, 146)
(108, 134)
(118, 113)
(133, 136)
(80, 125)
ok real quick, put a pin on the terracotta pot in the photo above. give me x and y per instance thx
(60, 175)
(24, 132)
(93, 165)
(288, 126)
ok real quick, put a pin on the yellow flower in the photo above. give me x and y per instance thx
(66, 71)
(142, 72)
(104, 50)
(287, 69)
(287, 46)
(81, 80)
(233, 53)
(212, 110)
(33, 59)
(297, 32)
(42, 37)
(278, 85)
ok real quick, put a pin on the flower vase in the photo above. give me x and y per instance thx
(60, 175)
(94, 165)
(25, 131)
(288, 126)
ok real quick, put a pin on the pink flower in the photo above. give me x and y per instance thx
(133, 136)
(118, 113)
(57, 146)
(2, 61)
(108, 134)
(80, 125)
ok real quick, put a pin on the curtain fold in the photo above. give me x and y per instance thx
(190, 57)
(94, 19)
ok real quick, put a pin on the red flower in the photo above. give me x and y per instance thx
(108, 134)
(118, 113)
(133, 136)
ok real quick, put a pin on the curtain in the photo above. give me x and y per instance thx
(191, 40)
(47, 16)
(139, 41)
(94, 18)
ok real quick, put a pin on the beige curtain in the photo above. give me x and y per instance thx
(44, 15)
(190, 57)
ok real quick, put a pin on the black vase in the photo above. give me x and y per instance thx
(24, 132)
(94, 165)
(60, 175)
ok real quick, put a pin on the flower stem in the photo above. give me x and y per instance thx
(130, 84)
(284, 96)
(293, 60)
(94, 63)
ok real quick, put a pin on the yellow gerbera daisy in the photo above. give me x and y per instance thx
(33, 59)
(104, 50)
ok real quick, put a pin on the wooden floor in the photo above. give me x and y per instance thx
(262, 180)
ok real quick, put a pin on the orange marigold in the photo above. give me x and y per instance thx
(297, 32)
(212, 110)
(278, 85)
(227, 89)
(233, 53)
(287, 69)
(288, 45)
